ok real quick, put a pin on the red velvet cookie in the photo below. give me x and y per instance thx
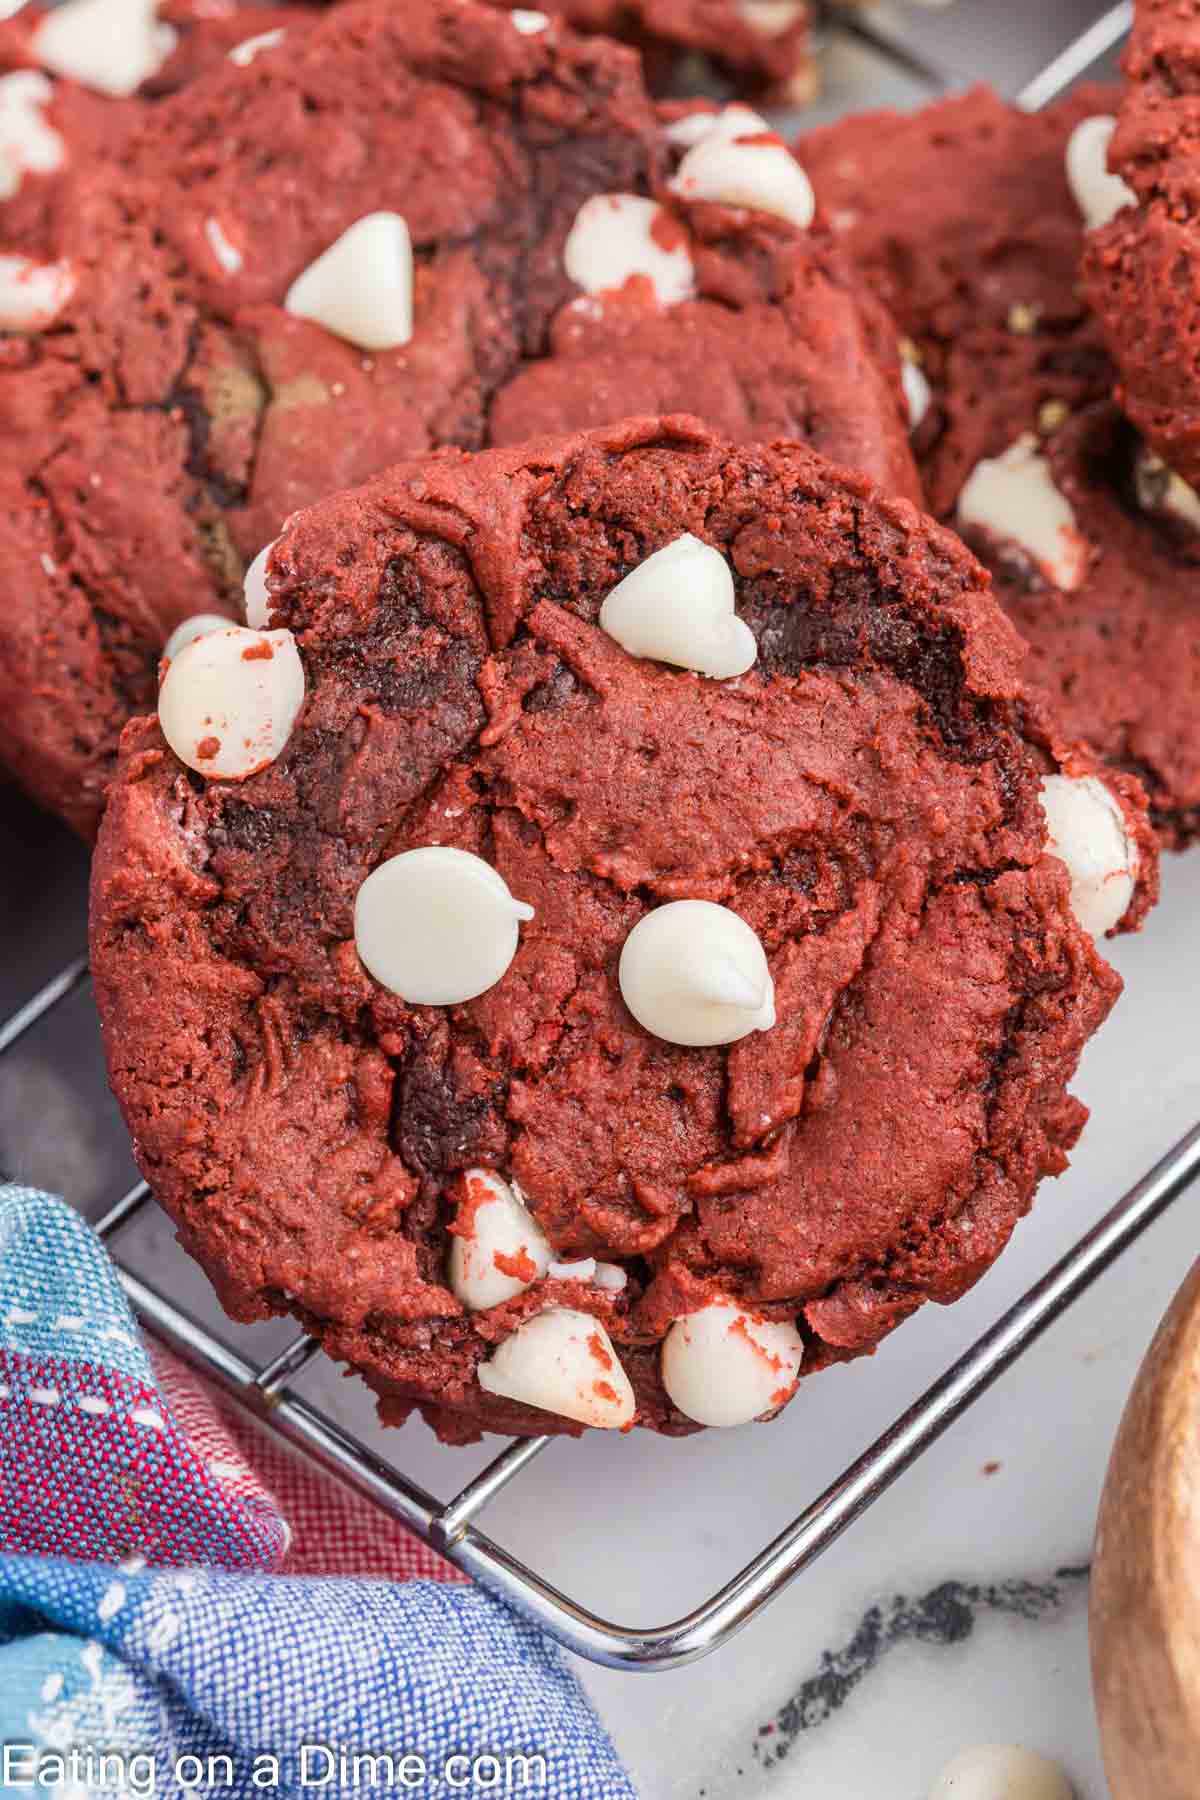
(759, 44)
(208, 367)
(729, 1013)
(969, 218)
(1142, 268)
(74, 84)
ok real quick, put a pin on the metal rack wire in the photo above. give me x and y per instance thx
(451, 1527)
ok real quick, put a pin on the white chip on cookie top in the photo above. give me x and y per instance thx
(1014, 499)
(611, 1277)
(437, 926)
(229, 700)
(617, 237)
(497, 1248)
(694, 973)
(733, 121)
(771, 18)
(678, 607)
(199, 625)
(361, 287)
(28, 145)
(110, 45)
(1160, 489)
(918, 394)
(1087, 832)
(243, 54)
(724, 1365)
(582, 1269)
(529, 22)
(1099, 194)
(563, 1362)
(757, 171)
(222, 246)
(32, 294)
(1001, 1772)
(255, 598)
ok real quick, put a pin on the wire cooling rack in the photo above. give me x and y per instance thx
(451, 1527)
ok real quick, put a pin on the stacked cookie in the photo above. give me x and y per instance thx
(1024, 442)
(596, 909)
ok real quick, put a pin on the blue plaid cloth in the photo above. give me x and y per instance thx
(119, 1678)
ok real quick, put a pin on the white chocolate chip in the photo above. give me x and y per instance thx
(611, 1277)
(1023, 319)
(583, 1270)
(771, 18)
(112, 46)
(725, 1366)
(528, 23)
(501, 1231)
(437, 926)
(199, 625)
(243, 54)
(27, 144)
(764, 176)
(1099, 194)
(1001, 1772)
(1013, 497)
(32, 294)
(678, 606)
(1087, 832)
(563, 1362)
(226, 253)
(695, 973)
(917, 391)
(361, 288)
(729, 122)
(229, 700)
(255, 597)
(618, 236)
(1160, 489)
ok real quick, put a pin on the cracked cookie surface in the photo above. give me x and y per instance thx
(175, 413)
(866, 798)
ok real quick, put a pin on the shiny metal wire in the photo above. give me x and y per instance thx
(451, 1526)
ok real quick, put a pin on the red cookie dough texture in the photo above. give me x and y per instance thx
(865, 798)
(94, 127)
(1142, 270)
(174, 415)
(759, 44)
(962, 217)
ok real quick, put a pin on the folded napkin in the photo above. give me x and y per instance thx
(184, 1607)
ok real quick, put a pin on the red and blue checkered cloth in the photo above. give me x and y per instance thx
(175, 1587)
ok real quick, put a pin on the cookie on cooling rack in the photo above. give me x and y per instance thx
(970, 218)
(425, 226)
(75, 81)
(759, 44)
(596, 957)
